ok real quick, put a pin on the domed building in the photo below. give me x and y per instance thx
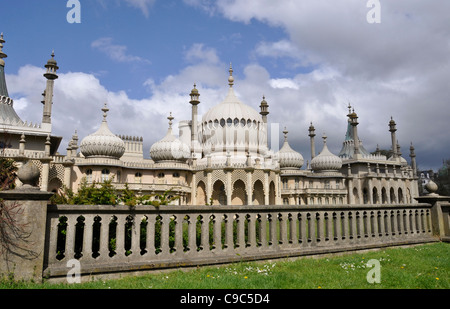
(221, 159)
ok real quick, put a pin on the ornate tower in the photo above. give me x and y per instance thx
(50, 75)
(311, 135)
(195, 146)
(264, 112)
(393, 129)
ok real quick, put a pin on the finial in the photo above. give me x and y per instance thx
(285, 132)
(105, 111)
(170, 120)
(324, 137)
(231, 78)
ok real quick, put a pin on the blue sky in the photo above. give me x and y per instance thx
(310, 58)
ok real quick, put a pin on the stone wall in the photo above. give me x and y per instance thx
(109, 240)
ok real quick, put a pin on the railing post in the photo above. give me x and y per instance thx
(24, 256)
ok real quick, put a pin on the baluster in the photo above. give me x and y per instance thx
(251, 230)
(70, 237)
(218, 232)
(344, 225)
(309, 228)
(87, 237)
(150, 237)
(413, 222)
(319, 227)
(192, 234)
(374, 219)
(328, 224)
(263, 230)
(272, 230)
(400, 223)
(282, 229)
(336, 228)
(302, 229)
(394, 223)
(104, 237)
(407, 227)
(178, 245)
(120, 235)
(358, 225)
(229, 242)
(292, 230)
(380, 216)
(165, 246)
(418, 221)
(240, 232)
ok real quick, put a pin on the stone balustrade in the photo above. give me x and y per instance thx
(118, 239)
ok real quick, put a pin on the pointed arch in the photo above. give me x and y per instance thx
(272, 193)
(201, 194)
(258, 193)
(219, 196)
(239, 195)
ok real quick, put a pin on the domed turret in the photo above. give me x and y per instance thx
(170, 148)
(234, 127)
(326, 161)
(289, 158)
(103, 143)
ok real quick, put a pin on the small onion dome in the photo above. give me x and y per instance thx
(103, 143)
(326, 161)
(170, 148)
(289, 158)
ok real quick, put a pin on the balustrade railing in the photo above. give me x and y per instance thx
(109, 239)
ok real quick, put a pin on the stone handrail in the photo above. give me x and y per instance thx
(114, 239)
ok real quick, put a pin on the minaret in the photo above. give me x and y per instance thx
(264, 112)
(50, 75)
(195, 147)
(311, 135)
(392, 129)
(354, 123)
(412, 154)
(3, 89)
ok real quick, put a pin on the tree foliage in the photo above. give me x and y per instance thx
(105, 193)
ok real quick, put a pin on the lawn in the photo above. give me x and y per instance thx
(419, 267)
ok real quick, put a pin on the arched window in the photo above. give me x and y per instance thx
(161, 175)
(89, 175)
(105, 174)
(176, 175)
(138, 177)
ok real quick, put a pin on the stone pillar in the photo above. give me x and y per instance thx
(439, 222)
(23, 255)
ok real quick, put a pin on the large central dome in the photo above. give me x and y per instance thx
(233, 128)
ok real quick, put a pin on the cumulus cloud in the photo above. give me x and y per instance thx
(399, 68)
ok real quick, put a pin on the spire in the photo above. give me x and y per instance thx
(311, 135)
(3, 89)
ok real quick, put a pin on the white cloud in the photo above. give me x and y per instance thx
(199, 53)
(116, 52)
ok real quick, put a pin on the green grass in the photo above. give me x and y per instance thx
(418, 267)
